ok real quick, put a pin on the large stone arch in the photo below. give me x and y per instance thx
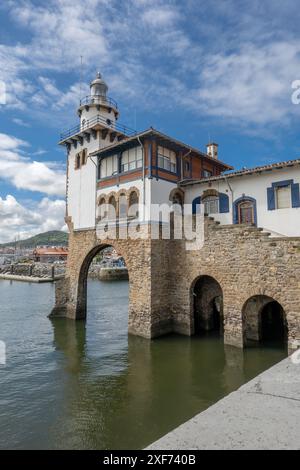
(146, 317)
(81, 305)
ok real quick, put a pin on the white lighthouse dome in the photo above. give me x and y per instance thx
(98, 107)
(98, 86)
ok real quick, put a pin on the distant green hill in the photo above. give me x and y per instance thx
(52, 238)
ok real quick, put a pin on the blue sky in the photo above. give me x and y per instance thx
(197, 70)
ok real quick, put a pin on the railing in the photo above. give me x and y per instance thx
(90, 123)
(98, 99)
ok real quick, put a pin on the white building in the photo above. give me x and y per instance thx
(266, 196)
(110, 163)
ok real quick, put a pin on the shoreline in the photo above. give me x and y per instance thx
(102, 274)
(34, 279)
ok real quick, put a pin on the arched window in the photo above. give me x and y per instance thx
(101, 209)
(112, 207)
(211, 204)
(84, 156)
(177, 199)
(133, 210)
(196, 205)
(122, 206)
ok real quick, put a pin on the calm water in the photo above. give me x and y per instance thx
(88, 386)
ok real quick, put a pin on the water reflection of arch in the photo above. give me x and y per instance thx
(70, 338)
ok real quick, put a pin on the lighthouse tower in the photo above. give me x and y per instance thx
(97, 128)
(97, 107)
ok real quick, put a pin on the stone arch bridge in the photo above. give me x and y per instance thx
(247, 265)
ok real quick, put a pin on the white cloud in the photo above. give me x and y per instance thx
(8, 142)
(161, 16)
(250, 85)
(38, 152)
(62, 31)
(49, 87)
(99, 30)
(24, 173)
(17, 220)
(20, 122)
(226, 62)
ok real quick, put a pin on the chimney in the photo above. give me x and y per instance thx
(212, 150)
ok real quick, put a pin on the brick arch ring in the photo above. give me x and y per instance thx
(176, 191)
(102, 196)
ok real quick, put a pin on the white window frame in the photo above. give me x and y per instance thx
(166, 159)
(109, 166)
(289, 190)
(131, 159)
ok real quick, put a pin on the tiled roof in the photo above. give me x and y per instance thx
(244, 172)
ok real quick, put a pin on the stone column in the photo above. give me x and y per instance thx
(233, 325)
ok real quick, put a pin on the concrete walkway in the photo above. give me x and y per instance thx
(262, 414)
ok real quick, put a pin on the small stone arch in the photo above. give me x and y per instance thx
(133, 189)
(112, 193)
(101, 197)
(133, 202)
(122, 191)
(176, 196)
(112, 202)
(101, 211)
(264, 319)
(207, 305)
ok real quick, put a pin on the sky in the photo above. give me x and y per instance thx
(196, 70)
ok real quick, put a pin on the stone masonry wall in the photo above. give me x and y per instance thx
(245, 262)
(162, 273)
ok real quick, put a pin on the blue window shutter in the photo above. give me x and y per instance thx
(271, 199)
(196, 205)
(223, 203)
(235, 213)
(295, 195)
